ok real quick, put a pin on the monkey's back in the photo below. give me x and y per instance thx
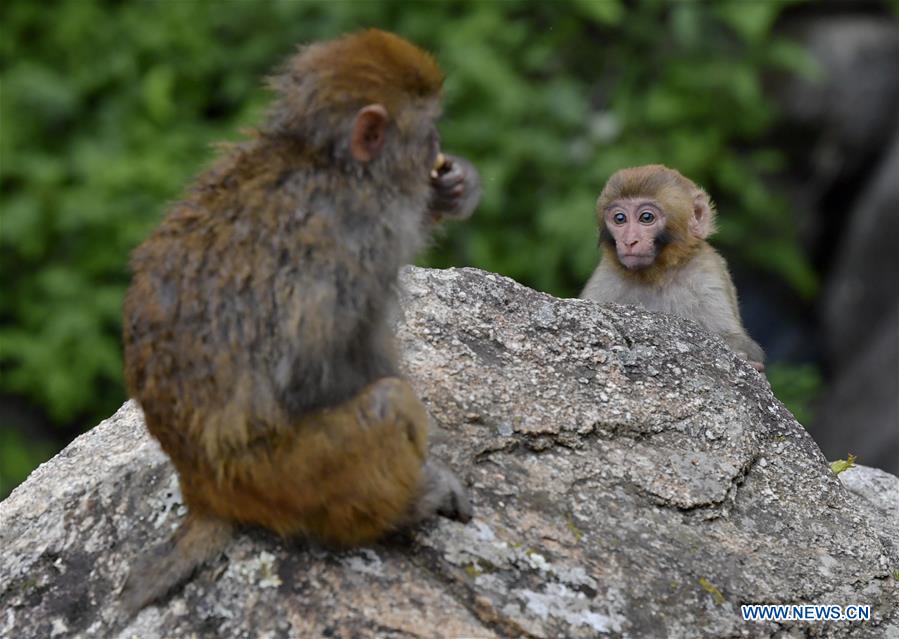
(244, 306)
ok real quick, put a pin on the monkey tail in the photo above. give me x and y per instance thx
(154, 575)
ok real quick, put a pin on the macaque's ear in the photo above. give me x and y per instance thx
(368, 134)
(702, 220)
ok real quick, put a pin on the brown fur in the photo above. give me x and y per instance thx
(342, 75)
(345, 474)
(255, 328)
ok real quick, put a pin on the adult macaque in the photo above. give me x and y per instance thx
(653, 228)
(255, 327)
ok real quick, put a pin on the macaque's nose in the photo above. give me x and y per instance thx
(631, 242)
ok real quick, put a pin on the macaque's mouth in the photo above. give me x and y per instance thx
(636, 260)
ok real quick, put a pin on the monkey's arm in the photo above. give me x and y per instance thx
(724, 318)
(747, 348)
(455, 191)
(603, 286)
(593, 288)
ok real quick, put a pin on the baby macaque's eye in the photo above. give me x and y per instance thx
(647, 217)
(619, 218)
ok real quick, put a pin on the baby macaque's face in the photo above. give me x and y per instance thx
(637, 226)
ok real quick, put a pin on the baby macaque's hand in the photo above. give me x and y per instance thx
(455, 188)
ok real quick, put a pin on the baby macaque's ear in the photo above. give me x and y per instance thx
(702, 223)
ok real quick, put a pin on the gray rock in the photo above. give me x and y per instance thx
(878, 493)
(631, 478)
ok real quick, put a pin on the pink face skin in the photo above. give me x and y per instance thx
(634, 224)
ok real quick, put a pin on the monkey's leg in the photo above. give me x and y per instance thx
(197, 540)
(346, 475)
(372, 464)
(369, 453)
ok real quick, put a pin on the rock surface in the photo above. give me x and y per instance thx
(631, 478)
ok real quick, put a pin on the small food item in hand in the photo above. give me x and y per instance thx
(440, 166)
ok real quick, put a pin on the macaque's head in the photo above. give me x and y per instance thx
(652, 218)
(363, 99)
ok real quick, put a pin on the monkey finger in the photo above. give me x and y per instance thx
(461, 507)
(450, 178)
(446, 195)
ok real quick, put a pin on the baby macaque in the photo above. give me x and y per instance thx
(653, 228)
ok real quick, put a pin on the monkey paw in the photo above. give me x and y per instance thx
(443, 493)
(455, 189)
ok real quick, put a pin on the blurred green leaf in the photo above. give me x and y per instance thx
(752, 20)
(603, 11)
(791, 57)
(686, 23)
(797, 386)
(784, 258)
(158, 88)
(842, 465)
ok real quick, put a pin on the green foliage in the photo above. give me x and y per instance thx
(797, 386)
(18, 456)
(109, 108)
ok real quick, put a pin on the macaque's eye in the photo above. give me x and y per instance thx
(647, 217)
(619, 218)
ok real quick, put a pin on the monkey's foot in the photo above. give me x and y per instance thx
(441, 493)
